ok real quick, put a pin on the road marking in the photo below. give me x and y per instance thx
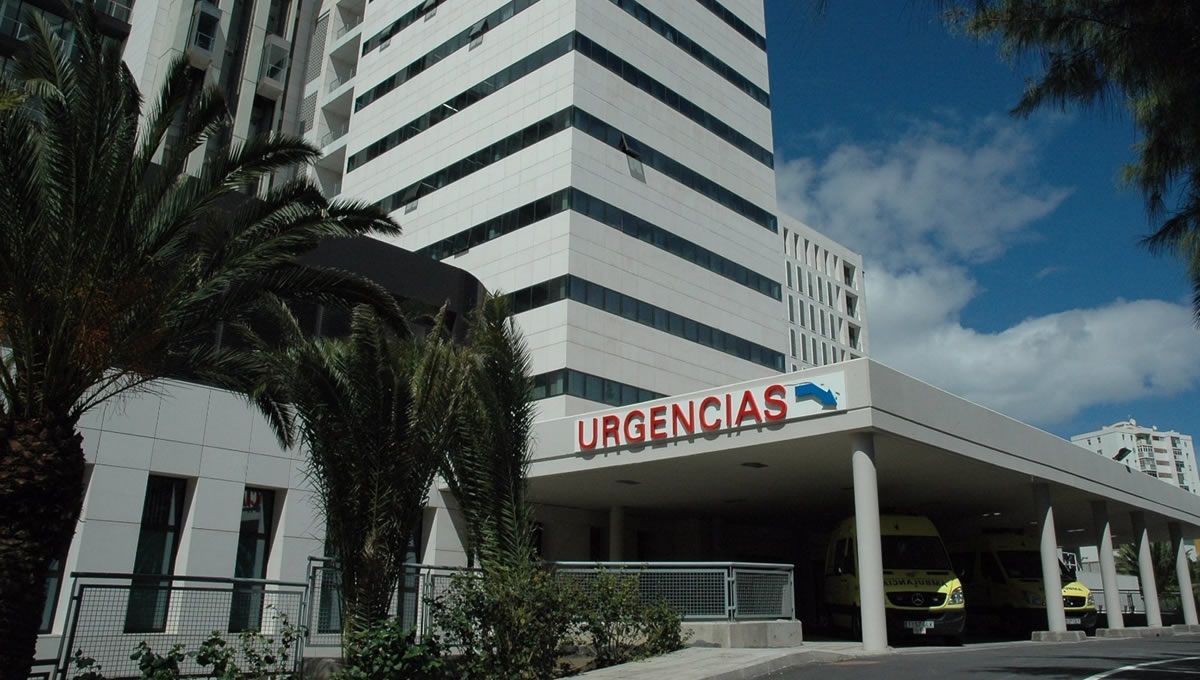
(1136, 666)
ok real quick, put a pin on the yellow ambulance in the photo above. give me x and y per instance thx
(1002, 574)
(922, 596)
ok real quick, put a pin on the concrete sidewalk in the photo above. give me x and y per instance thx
(712, 663)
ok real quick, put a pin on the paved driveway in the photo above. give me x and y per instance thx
(1169, 658)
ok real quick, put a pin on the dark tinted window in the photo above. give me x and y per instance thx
(914, 552)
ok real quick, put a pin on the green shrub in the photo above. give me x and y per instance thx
(262, 657)
(387, 651)
(610, 616)
(620, 627)
(154, 666)
(86, 667)
(664, 629)
(509, 623)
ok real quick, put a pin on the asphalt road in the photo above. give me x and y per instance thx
(1167, 658)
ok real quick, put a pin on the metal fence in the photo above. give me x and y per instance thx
(733, 591)
(420, 584)
(111, 614)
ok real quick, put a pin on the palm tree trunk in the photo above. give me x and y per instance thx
(41, 492)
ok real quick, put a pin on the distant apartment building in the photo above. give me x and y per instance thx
(1167, 455)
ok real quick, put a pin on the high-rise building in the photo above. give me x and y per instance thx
(607, 162)
(1167, 455)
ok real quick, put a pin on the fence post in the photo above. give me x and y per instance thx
(791, 594)
(68, 640)
(731, 592)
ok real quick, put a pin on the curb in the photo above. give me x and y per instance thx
(1136, 632)
(761, 668)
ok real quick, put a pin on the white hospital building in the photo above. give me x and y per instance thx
(608, 163)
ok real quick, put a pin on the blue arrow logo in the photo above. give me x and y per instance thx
(824, 396)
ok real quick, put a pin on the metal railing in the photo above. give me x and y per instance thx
(110, 614)
(420, 584)
(334, 133)
(699, 591)
(732, 591)
(349, 24)
(337, 81)
(115, 9)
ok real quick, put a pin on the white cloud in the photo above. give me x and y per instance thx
(925, 208)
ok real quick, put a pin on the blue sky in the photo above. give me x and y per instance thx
(1002, 255)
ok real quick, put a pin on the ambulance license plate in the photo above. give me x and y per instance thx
(918, 627)
(1074, 621)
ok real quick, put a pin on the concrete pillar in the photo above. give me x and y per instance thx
(1141, 539)
(870, 549)
(616, 533)
(1108, 565)
(1056, 616)
(1183, 573)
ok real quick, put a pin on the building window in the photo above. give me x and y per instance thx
(54, 579)
(791, 307)
(793, 336)
(158, 543)
(803, 348)
(253, 550)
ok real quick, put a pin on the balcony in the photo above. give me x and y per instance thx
(349, 22)
(341, 77)
(117, 9)
(336, 131)
(204, 36)
(272, 78)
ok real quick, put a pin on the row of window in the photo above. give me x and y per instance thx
(672, 34)
(594, 295)
(813, 255)
(567, 381)
(162, 523)
(406, 20)
(454, 44)
(545, 55)
(594, 127)
(610, 215)
(808, 351)
(736, 23)
(820, 290)
(521, 139)
(639, 79)
(501, 79)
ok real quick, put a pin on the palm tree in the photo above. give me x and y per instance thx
(1135, 52)
(1162, 558)
(487, 473)
(375, 412)
(117, 268)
